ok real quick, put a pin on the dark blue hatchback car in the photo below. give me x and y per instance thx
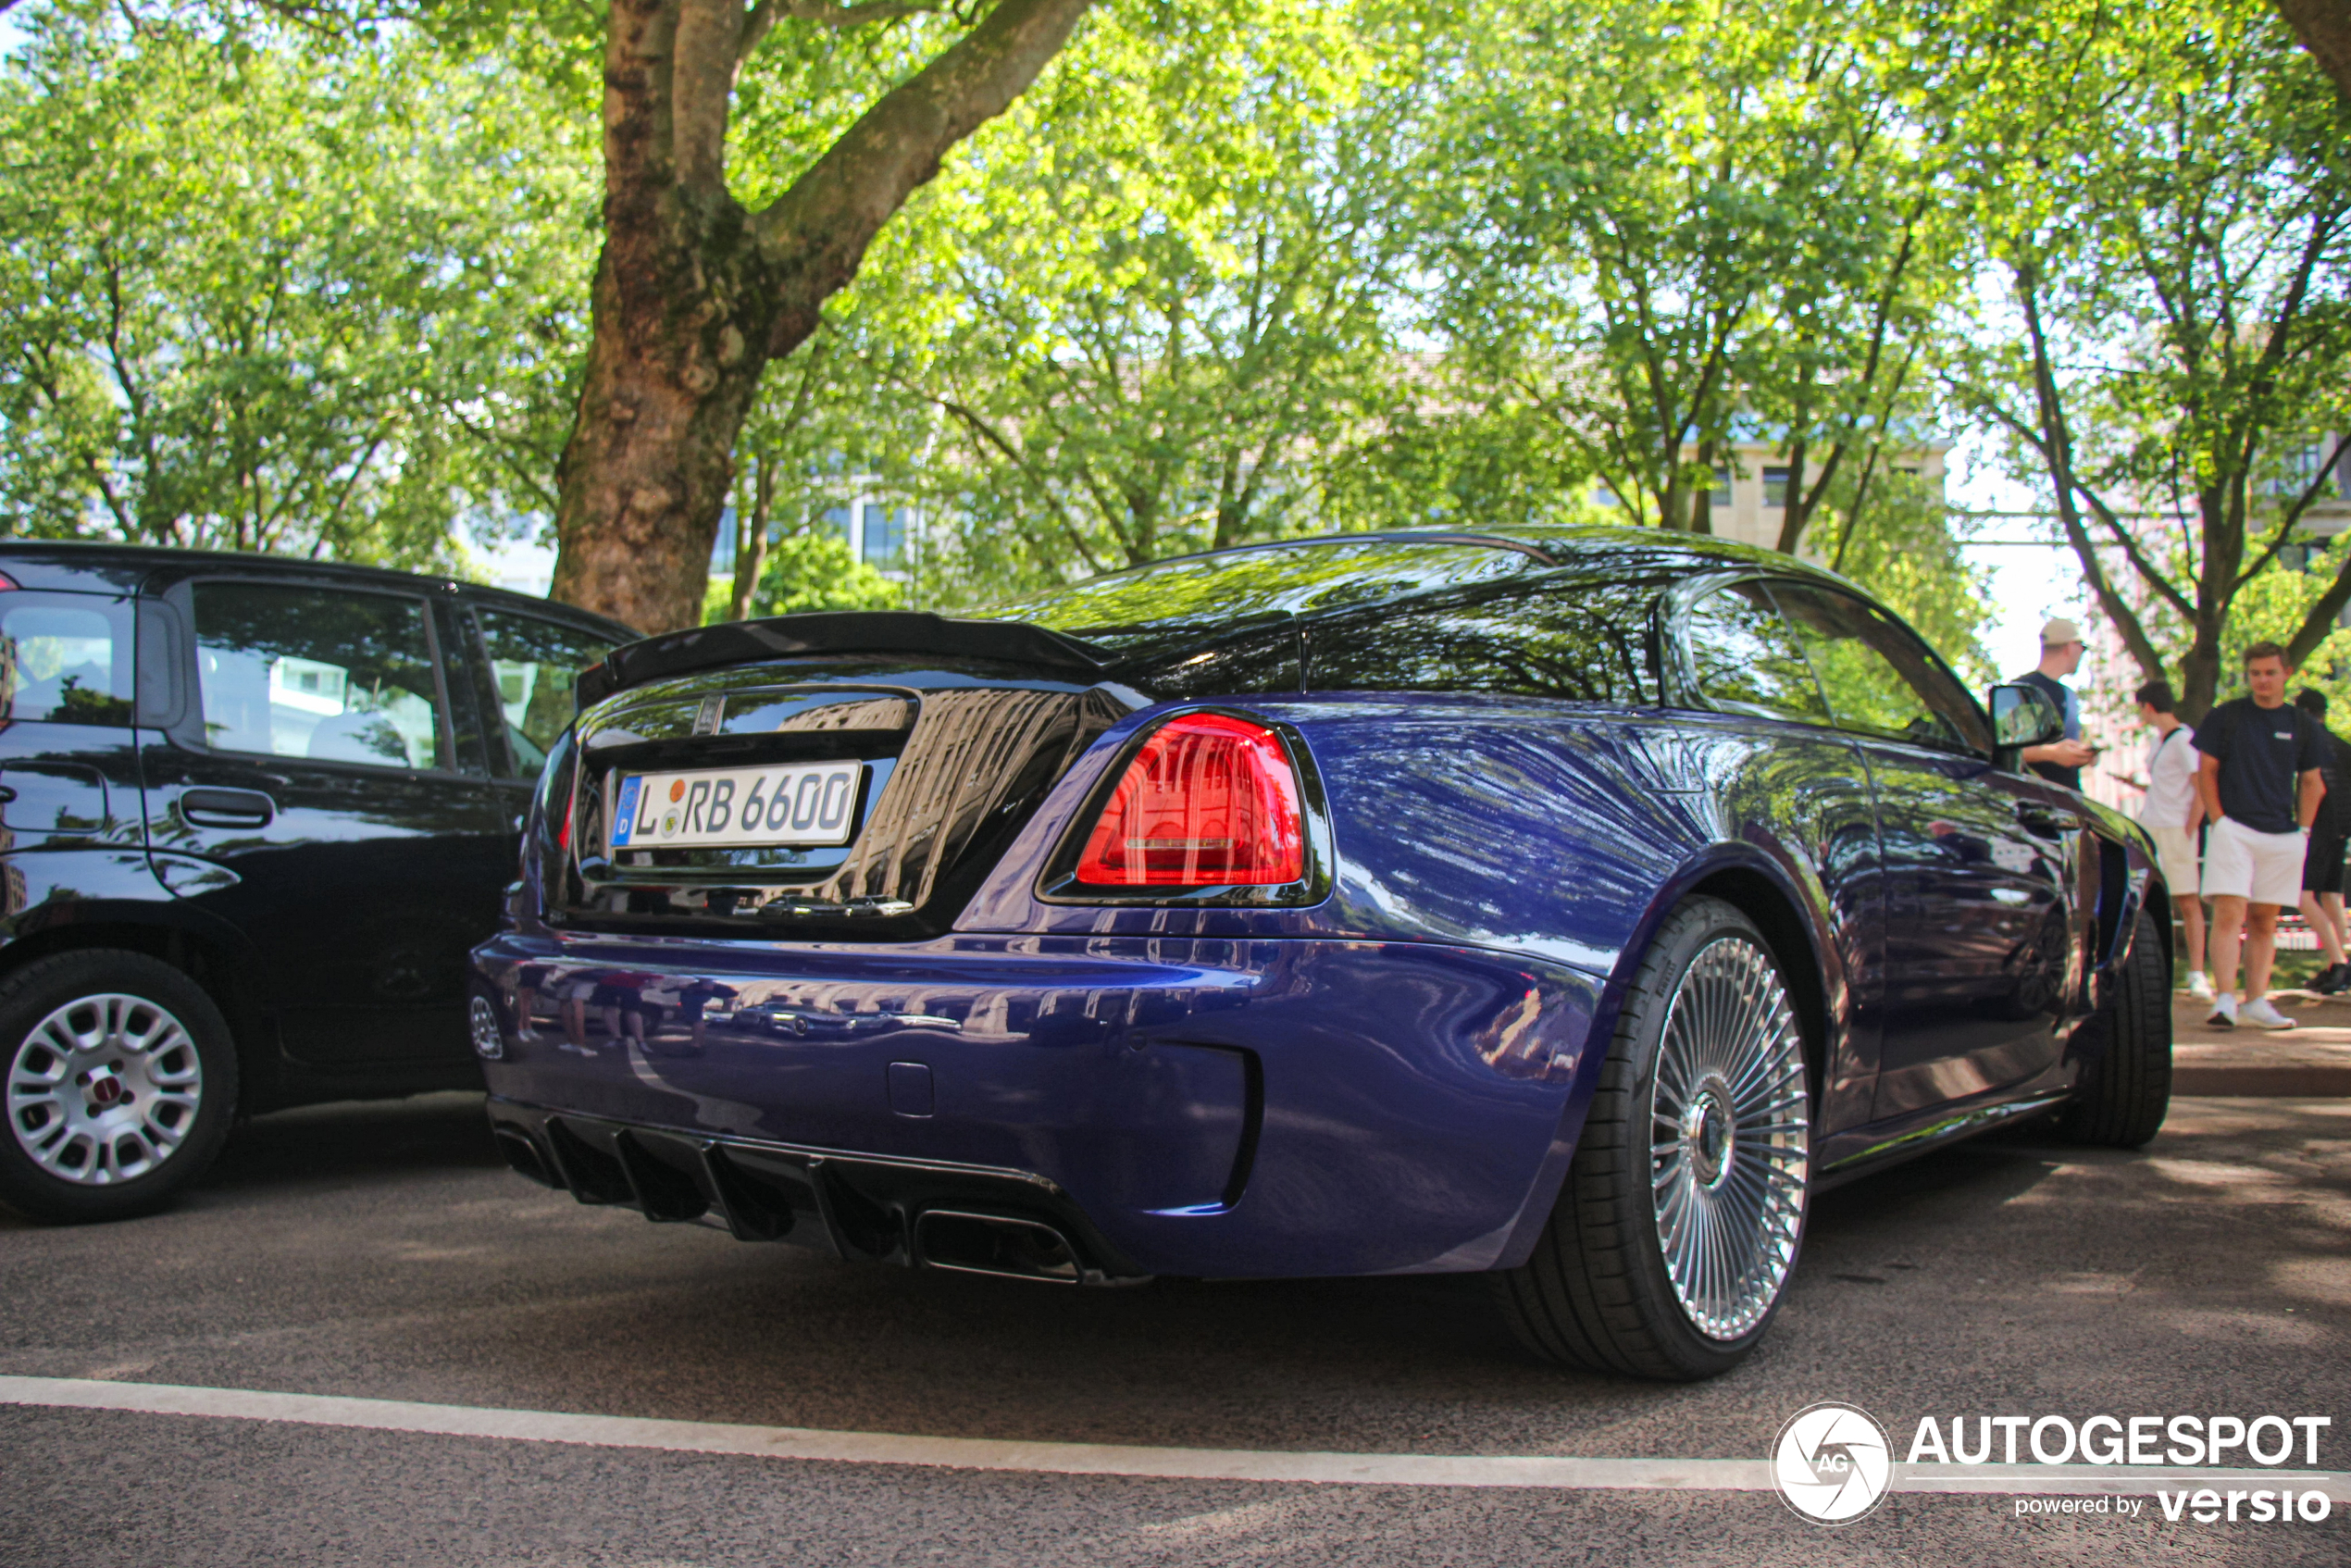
(1566, 905)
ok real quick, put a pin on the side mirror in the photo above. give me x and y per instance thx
(2021, 716)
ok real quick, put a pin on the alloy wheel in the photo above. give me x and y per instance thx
(105, 1090)
(1730, 1135)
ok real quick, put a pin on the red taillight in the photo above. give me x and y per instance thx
(1208, 801)
(8, 583)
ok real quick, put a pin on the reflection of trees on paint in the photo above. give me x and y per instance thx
(1496, 834)
(1160, 601)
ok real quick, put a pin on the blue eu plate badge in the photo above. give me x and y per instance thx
(624, 810)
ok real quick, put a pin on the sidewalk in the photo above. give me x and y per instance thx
(2312, 1060)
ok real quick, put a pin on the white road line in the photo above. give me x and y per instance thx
(1100, 1459)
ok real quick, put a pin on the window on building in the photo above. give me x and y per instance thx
(1721, 492)
(884, 534)
(1775, 487)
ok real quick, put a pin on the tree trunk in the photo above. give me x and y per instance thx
(694, 294)
(2324, 26)
(645, 474)
(750, 538)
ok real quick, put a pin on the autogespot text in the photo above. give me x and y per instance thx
(2192, 1442)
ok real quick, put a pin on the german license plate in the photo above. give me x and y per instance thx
(736, 807)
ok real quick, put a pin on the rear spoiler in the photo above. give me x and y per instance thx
(842, 631)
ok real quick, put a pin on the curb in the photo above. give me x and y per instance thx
(2232, 1076)
(2261, 1083)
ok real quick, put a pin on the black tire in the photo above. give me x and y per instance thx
(1597, 1292)
(2126, 1093)
(134, 1156)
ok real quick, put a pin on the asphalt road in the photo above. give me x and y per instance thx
(383, 1252)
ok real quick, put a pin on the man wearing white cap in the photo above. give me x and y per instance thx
(2060, 762)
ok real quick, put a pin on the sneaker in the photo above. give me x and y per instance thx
(2200, 986)
(2332, 981)
(2224, 1013)
(2260, 1014)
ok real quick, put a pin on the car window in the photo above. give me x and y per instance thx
(65, 657)
(317, 673)
(1877, 675)
(535, 664)
(1747, 660)
(1169, 601)
(1581, 642)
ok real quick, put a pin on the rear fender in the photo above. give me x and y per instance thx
(1789, 878)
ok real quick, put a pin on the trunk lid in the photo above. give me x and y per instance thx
(952, 757)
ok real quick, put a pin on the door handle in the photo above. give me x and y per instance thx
(226, 808)
(2034, 817)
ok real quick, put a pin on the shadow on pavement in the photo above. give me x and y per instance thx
(426, 1132)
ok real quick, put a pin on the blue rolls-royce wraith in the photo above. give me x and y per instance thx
(1563, 905)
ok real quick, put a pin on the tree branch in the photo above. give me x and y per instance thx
(2320, 618)
(762, 16)
(2055, 444)
(819, 229)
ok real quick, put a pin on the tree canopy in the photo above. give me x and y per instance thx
(321, 278)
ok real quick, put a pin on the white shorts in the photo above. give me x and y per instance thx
(2175, 857)
(2263, 868)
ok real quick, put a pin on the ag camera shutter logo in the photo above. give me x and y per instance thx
(1832, 1463)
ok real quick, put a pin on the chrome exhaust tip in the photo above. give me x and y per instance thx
(1004, 1245)
(522, 1153)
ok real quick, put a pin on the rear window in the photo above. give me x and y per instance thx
(1170, 600)
(65, 658)
(1576, 640)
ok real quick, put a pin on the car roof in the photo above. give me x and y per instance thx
(96, 566)
(1186, 595)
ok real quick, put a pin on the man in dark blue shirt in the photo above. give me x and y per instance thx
(2258, 776)
(2061, 761)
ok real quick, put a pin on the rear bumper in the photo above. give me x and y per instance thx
(1163, 1106)
(860, 1208)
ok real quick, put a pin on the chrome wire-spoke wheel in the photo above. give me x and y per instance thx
(1730, 1136)
(105, 1090)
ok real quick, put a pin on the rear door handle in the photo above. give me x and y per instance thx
(226, 808)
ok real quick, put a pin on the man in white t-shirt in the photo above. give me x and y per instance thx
(2172, 814)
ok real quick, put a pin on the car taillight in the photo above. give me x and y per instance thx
(1210, 800)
